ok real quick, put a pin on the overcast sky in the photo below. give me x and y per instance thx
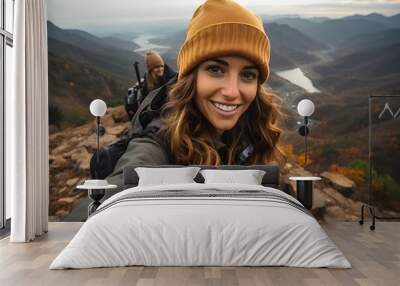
(89, 13)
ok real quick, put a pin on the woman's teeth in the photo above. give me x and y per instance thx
(224, 107)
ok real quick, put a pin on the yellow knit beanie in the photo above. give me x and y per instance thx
(153, 60)
(224, 28)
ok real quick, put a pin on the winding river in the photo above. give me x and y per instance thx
(143, 41)
(297, 77)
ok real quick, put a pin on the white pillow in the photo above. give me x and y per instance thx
(164, 176)
(248, 177)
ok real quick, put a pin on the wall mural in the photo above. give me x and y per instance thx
(92, 57)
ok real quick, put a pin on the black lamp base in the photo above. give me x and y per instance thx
(305, 193)
(95, 195)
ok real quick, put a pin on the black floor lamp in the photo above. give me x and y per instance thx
(305, 108)
(97, 191)
(304, 184)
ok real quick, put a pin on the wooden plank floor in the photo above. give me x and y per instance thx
(375, 257)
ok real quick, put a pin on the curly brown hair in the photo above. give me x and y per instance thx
(190, 134)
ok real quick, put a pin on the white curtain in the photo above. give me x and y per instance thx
(27, 124)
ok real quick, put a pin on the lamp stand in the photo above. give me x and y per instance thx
(303, 131)
(98, 137)
(305, 140)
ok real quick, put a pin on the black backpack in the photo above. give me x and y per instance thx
(103, 166)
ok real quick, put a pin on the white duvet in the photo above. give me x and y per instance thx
(183, 231)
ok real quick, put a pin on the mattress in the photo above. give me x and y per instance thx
(201, 225)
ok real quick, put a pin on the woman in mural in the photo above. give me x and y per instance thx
(216, 111)
(158, 73)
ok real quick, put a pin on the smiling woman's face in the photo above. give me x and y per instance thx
(226, 86)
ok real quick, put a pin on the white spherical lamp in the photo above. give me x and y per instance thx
(305, 107)
(98, 107)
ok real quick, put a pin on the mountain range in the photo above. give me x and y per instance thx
(367, 63)
(362, 55)
(337, 31)
(83, 67)
(367, 41)
(290, 47)
(109, 54)
(101, 67)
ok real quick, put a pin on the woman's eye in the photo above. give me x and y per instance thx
(214, 69)
(249, 75)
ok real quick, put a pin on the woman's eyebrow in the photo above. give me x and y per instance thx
(222, 62)
(250, 67)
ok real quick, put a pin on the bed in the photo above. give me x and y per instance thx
(201, 224)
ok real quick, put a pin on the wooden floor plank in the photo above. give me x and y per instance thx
(374, 255)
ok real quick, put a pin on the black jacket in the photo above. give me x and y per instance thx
(148, 147)
(145, 146)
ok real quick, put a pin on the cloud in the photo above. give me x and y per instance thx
(333, 9)
(85, 13)
(378, 1)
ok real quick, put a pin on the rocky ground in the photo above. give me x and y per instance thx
(71, 150)
(330, 196)
(70, 153)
